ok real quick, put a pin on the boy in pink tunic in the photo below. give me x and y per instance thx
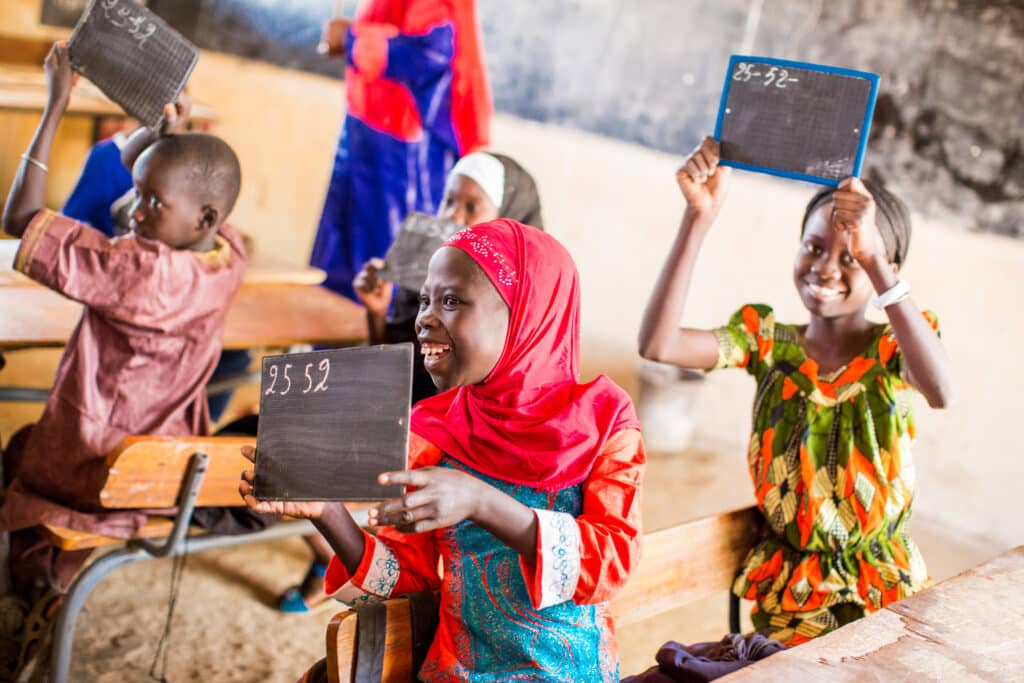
(150, 334)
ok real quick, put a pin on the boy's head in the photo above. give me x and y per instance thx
(186, 185)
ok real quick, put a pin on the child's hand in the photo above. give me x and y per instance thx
(332, 38)
(854, 214)
(373, 291)
(305, 510)
(443, 497)
(702, 180)
(176, 116)
(60, 78)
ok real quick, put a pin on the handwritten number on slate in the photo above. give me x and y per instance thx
(309, 379)
(289, 379)
(273, 380)
(325, 367)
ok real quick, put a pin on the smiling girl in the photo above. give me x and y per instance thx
(525, 482)
(829, 452)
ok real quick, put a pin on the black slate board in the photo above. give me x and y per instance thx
(133, 56)
(331, 421)
(796, 120)
(407, 258)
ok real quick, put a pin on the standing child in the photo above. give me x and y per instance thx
(150, 333)
(526, 482)
(832, 422)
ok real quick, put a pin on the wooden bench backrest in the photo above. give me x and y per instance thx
(680, 565)
(147, 471)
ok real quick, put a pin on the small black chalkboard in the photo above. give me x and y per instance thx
(133, 56)
(795, 120)
(331, 421)
(407, 258)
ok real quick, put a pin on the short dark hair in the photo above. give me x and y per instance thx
(213, 170)
(893, 219)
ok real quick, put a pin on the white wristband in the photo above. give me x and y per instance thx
(895, 294)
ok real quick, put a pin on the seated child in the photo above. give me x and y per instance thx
(480, 187)
(526, 482)
(829, 452)
(150, 333)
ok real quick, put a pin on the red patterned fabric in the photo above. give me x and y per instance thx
(529, 422)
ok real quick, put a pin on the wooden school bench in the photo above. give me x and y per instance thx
(679, 565)
(150, 472)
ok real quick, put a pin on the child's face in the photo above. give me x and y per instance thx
(165, 206)
(462, 321)
(466, 203)
(828, 278)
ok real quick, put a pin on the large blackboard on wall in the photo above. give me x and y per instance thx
(796, 120)
(331, 421)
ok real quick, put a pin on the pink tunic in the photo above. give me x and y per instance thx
(137, 363)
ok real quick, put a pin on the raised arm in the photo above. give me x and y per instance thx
(28, 191)
(926, 365)
(704, 185)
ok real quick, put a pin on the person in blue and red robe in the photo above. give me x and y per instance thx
(417, 99)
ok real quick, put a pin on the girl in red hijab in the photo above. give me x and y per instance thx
(524, 482)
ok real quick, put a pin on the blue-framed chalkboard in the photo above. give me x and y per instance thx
(794, 119)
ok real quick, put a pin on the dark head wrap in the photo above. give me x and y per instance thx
(521, 201)
(893, 219)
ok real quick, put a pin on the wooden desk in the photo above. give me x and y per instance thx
(23, 88)
(967, 628)
(261, 316)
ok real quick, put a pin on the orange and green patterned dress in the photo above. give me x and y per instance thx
(830, 460)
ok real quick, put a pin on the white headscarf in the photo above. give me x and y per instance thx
(486, 171)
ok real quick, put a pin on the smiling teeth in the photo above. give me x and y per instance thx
(824, 292)
(428, 349)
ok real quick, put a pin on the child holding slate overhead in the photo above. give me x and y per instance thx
(149, 337)
(832, 423)
(525, 483)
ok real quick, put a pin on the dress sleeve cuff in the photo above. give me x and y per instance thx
(375, 576)
(38, 245)
(552, 578)
(368, 45)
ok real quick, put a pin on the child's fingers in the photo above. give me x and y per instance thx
(700, 163)
(416, 478)
(249, 453)
(375, 264)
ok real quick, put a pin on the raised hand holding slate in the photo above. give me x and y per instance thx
(407, 258)
(331, 421)
(133, 56)
(796, 120)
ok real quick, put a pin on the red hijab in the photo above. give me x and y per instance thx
(471, 92)
(529, 422)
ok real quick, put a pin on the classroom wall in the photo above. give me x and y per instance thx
(616, 206)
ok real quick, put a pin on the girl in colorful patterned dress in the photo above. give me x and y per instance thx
(829, 452)
(526, 481)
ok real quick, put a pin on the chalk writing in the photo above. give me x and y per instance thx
(776, 76)
(276, 372)
(138, 27)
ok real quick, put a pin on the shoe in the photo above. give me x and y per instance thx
(292, 601)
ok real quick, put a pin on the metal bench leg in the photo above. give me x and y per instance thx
(64, 628)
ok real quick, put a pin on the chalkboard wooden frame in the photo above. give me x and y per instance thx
(865, 126)
(335, 422)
